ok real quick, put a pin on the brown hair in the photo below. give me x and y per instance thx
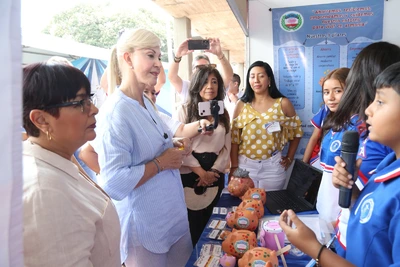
(339, 74)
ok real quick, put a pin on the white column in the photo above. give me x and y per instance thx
(11, 212)
(182, 31)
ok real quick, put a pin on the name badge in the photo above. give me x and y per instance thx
(272, 127)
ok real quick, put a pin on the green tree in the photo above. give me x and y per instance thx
(99, 25)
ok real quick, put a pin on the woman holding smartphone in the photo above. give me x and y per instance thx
(202, 172)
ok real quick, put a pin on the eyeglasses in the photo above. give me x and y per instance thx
(85, 104)
(213, 66)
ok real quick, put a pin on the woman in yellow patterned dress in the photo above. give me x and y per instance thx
(264, 121)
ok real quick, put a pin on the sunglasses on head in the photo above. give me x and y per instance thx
(213, 66)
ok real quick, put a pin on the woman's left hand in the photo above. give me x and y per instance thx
(184, 144)
(285, 162)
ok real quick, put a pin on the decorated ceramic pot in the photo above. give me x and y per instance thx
(240, 182)
(254, 205)
(259, 257)
(256, 193)
(238, 242)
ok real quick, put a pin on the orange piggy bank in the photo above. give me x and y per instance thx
(242, 219)
(253, 204)
(262, 257)
(256, 193)
(238, 242)
(240, 182)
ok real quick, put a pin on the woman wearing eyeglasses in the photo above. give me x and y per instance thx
(202, 172)
(264, 121)
(68, 219)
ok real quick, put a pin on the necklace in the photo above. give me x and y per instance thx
(165, 135)
(151, 116)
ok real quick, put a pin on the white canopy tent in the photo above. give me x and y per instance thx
(92, 60)
(38, 47)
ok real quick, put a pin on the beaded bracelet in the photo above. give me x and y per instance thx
(318, 255)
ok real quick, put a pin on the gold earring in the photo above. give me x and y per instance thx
(48, 136)
(269, 85)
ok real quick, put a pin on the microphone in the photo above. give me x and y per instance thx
(165, 135)
(350, 144)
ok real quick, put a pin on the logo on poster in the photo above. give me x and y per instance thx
(291, 21)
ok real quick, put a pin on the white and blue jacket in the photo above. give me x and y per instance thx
(373, 238)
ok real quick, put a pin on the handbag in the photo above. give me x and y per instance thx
(200, 197)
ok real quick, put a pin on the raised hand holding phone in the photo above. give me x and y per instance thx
(199, 44)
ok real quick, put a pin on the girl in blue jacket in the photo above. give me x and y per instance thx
(373, 235)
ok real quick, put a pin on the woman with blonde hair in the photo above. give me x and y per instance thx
(139, 160)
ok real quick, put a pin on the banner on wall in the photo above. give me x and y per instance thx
(311, 41)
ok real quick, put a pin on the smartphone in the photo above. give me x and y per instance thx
(205, 108)
(198, 44)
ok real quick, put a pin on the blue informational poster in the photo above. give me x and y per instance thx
(311, 41)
